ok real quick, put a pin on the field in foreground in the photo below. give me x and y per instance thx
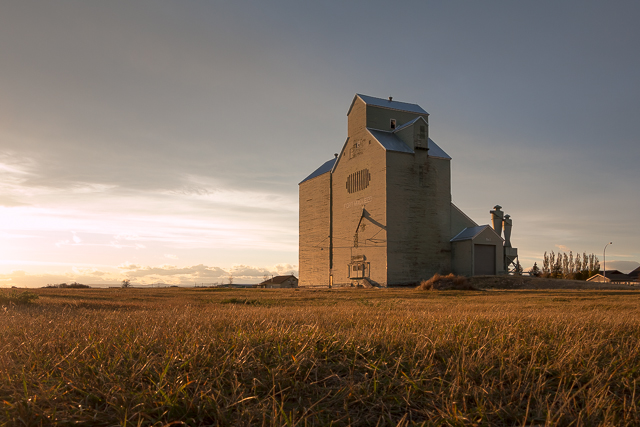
(313, 357)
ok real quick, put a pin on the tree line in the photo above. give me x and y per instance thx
(563, 266)
(72, 285)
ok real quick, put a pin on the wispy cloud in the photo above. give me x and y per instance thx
(147, 275)
(197, 271)
(129, 266)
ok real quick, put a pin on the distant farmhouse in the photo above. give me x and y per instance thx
(616, 276)
(288, 281)
(380, 212)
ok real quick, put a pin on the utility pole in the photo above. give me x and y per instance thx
(604, 258)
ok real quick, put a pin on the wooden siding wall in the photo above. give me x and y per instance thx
(459, 222)
(419, 216)
(314, 231)
(361, 152)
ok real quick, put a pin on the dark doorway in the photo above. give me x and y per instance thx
(484, 259)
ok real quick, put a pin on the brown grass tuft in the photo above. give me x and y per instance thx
(448, 282)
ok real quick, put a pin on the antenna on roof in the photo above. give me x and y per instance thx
(390, 98)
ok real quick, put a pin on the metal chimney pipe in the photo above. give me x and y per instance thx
(496, 219)
(508, 223)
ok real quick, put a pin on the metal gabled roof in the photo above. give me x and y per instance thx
(436, 151)
(326, 167)
(406, 125)
(470, 232)
(385, 103)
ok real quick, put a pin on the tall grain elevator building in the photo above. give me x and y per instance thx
(380, 212)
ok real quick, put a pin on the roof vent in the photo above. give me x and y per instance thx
(390, 98)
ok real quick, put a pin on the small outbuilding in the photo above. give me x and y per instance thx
(477, 251)
(289, 281)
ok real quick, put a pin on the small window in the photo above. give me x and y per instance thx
(358, 270)
(423, 132)
(393, 123)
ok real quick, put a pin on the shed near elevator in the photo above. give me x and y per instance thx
(477, 251)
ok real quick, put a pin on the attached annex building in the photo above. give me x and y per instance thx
(380, 212)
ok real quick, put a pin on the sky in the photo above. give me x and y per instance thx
(163, 141)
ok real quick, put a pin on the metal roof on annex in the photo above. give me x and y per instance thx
(470, 232)
(326, 167)
(391, 142)
(385, 103)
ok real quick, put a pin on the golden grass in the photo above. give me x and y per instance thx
(316, 357)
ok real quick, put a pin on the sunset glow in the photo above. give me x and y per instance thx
(164, 141)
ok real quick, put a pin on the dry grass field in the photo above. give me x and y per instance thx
(356, 357)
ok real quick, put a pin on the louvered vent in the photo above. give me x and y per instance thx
(358, 180)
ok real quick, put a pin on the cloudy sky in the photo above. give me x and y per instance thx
(163, 141)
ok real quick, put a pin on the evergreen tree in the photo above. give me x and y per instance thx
(535, 271)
